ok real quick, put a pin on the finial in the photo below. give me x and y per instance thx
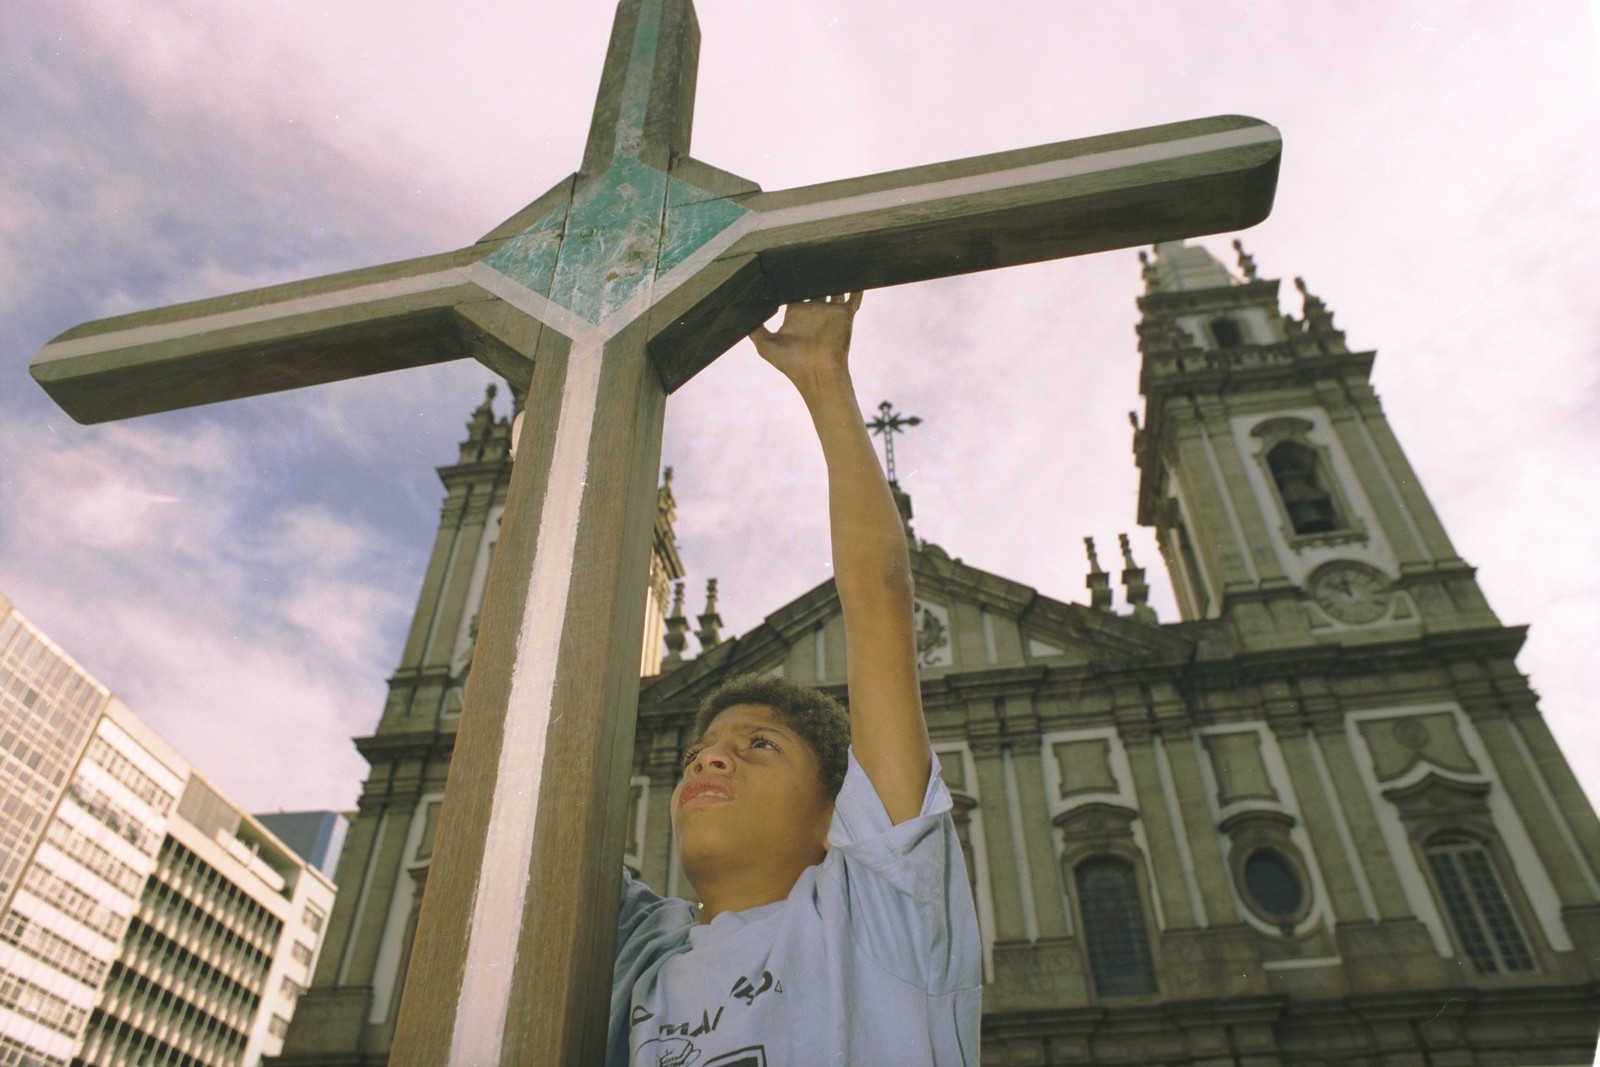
(1247, 262)
(666, 502)
(1098, 582)
(710, 621)
(677, 627)
(1147, 271)
(888, 423)
(1318, 319)
(483, 414)
(1133, 420)
(1138, 590)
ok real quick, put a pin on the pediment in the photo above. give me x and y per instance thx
(968, 619)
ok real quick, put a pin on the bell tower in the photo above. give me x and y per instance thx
(1279, 494)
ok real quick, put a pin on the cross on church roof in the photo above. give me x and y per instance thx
(888, 423)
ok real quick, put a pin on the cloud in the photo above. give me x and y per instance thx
(242, 575)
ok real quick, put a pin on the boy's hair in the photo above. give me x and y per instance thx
(814, 715)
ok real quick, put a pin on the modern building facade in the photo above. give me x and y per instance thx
(1318, 820)
(149, 921)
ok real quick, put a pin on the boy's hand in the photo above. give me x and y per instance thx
(813, 344)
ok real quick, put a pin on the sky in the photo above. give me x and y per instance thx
(243, 574)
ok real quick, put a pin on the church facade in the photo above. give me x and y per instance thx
(1317, 820)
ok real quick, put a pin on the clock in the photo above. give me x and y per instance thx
(1351, 592)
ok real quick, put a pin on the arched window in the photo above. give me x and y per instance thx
(1113, 928)
(1297, 473)
(1485, 927)
(1226, 333)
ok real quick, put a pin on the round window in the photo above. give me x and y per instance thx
(1272, 884)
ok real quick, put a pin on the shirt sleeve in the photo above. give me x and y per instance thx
(638, 901)
(904, 887)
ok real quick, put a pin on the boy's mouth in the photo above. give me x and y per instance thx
(715, 788)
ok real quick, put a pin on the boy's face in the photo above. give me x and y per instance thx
(751, 793)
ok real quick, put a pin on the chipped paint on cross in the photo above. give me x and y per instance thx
(624, 227)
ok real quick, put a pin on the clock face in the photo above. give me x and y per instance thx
(1351, 592)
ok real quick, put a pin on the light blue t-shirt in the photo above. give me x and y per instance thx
(873, 959)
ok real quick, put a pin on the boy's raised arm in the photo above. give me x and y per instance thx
(871, 563)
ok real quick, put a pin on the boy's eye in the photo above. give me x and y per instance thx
(688, 757)
(762, 742)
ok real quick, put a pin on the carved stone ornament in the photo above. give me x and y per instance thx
(933, 634)
(1351, 592)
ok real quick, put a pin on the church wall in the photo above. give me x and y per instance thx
(1557, 850)
(1397, 521)
(1417, 504)
(833, 651)
(433, 580)
(396, 924)
(1165, 864)
(464, 627)
(361, 961)
(1567, 795)
(1337, 861)
(355, 874)
(1004, 865)
(1218, 533)
(1263, 567)
(1048, 890)
(452, 605)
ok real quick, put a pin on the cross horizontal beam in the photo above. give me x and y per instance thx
(980, 213)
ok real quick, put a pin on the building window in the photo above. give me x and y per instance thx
(301, 952)
(1226, 333)
(1113, 928)
(1297, 473)
(1272, 884)
(1484, 925)
(313, 918)
(278, 1027)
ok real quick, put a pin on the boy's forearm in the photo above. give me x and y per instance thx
(869, 541)
(872, 571)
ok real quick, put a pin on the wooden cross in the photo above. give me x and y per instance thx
(600, 298)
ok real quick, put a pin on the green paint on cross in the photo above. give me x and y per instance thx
(625, 226)
(622, 229)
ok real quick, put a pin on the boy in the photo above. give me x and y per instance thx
(835, 924)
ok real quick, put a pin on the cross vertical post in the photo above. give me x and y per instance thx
(598, 299)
